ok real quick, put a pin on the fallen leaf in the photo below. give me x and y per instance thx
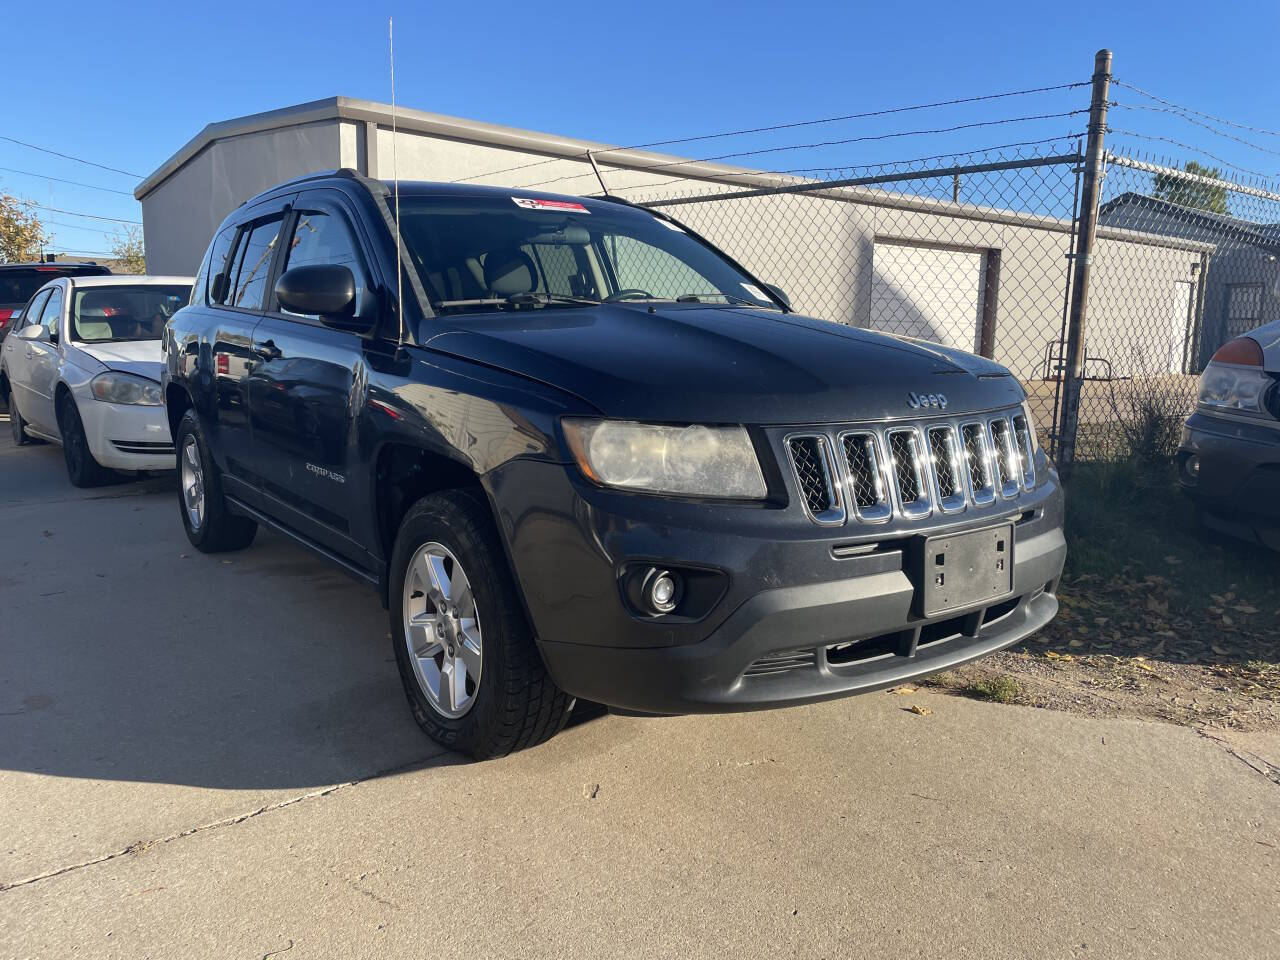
(1075, 643)
(905, 688)
(1219, 651)
(918, 710)
(1227, 620)
(591, 790)
(1245, 608)
(1157, 605)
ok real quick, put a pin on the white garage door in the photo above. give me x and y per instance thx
(928, 292)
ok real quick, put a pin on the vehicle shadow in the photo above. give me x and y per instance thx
(127, 655)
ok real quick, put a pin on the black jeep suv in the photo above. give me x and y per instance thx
(582, 453)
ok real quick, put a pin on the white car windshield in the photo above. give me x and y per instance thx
(114, 314)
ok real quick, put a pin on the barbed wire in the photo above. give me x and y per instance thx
(869, 138)
(789, 126)
(1194, 149)
(1199, 113)
(849, 168)
(1199, 123)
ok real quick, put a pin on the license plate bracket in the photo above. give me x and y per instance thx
(964, 570)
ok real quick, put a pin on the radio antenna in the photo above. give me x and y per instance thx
(395, 178)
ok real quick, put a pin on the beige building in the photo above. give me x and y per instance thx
(980, 278)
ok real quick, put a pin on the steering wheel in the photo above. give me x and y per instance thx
(630, 293)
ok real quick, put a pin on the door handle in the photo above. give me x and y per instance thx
(267, 351)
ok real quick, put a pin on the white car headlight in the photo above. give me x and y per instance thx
(115, 386)
(1238, 389)
(694, 461)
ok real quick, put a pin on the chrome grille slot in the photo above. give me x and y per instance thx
(944, 454)
(1005, 457)
(1026, 450)
(981, 486)
(908, 473)
(867, 488)
(815, 474)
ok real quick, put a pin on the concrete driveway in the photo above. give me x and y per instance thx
(211, 757)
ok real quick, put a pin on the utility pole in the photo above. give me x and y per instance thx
(1090, 192)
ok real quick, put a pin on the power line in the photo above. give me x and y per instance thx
(789, 126)
(74, 183)
(67, 156)
(76, 213)
(74, 226)
(830, 143)
(1199, 113)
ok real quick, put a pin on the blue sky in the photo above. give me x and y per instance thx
(126, 86)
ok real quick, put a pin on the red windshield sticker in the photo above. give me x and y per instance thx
(560, 206)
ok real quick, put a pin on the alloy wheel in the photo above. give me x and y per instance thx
(192, 482)
(442, 630)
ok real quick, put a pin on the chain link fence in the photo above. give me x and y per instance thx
(976, 252)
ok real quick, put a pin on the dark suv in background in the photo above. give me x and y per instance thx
(19, 282)
(582, 453)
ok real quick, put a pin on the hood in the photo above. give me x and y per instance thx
(140, 357)
(1268, 336)
(722, 365)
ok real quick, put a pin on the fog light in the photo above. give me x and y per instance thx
(662, 591)
(1192, 467)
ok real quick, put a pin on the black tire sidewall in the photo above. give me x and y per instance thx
(443, 519)
(16, 423)
(84, 474)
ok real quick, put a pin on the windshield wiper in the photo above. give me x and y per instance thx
(518, 300)
(732, 298)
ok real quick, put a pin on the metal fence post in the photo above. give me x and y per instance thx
(1091, 191)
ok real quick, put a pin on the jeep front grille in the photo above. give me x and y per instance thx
(815, 472)
(867, 486)
(911, 470)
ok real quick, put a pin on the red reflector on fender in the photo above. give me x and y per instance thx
(1242, 351)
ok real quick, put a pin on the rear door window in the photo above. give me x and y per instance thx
(220, 276)
(255, 264)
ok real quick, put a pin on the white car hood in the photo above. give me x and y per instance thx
(141, 357)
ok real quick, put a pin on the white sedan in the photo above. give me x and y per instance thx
(84, 371)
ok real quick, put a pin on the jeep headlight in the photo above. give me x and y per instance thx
(692, 461)
(115, 386)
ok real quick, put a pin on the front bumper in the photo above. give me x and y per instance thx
(1237, 483)
(125, 436)
(795, 613)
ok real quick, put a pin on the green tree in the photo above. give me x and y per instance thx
(1190, 193)
(128, 252)
(21, 232)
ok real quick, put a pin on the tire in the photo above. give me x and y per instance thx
(16, 423)
(210, 525)
(82, 468)
(514, 704)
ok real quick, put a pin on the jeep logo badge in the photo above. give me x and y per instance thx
(918, 400)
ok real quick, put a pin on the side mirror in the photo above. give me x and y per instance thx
(324, 290)
(781, 294)
(35, 331)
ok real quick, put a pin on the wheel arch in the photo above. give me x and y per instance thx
(404, 473)
(177, 401)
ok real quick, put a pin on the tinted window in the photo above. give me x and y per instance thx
(482, 253)
(255, 265)
(138, 312)
(320, 237)
(17, 284)
(219, 267)
(52, 311)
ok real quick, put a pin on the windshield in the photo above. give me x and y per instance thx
(487, 253)
(113, 314)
